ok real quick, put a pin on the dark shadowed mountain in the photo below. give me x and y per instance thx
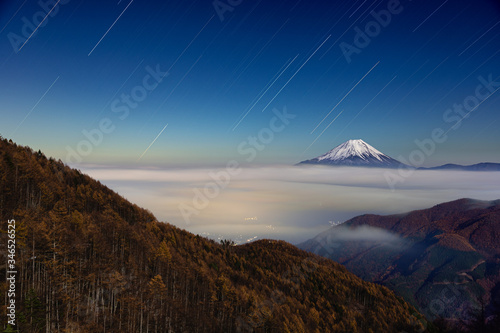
(445, 259)
(355, 153)
(87, 260)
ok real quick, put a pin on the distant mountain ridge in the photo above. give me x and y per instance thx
(474, 167)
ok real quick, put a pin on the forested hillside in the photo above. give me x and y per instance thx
(445, 261)
(87, 260)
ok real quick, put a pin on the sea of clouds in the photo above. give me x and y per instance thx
(293, 203)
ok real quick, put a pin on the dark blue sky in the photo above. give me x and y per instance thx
(98, 68)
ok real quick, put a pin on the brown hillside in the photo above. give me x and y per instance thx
(90, 261)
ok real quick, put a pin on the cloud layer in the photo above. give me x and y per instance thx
(291, 203)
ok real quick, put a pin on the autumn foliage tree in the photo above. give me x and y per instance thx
(90, 261)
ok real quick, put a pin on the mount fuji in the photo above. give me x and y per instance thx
(355, 153)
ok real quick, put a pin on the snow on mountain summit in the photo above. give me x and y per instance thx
(355, 153)
(352, 148)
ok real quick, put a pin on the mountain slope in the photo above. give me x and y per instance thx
(90, 261)
(443, 259)
(355, 153)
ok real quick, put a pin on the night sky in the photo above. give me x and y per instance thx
(156, 99)
(388, 77)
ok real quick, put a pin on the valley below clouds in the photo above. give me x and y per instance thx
(285, 202)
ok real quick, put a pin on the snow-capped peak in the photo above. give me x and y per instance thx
(352, 148)
(355, 153)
